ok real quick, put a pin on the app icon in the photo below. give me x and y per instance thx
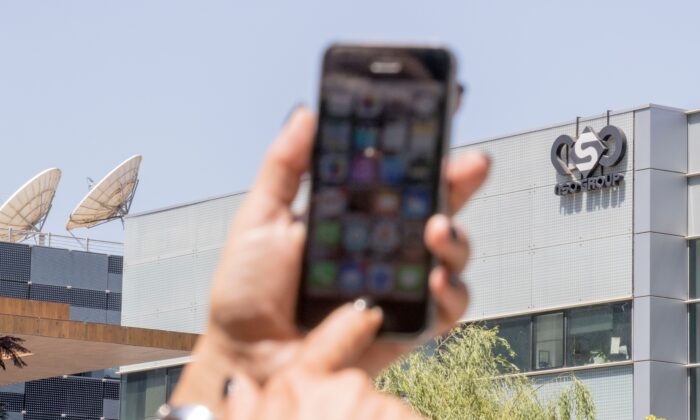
(392, 170)
(339, 103)
(416, 203)
(333, 168)
(424, 103)
(386, 203)
(355, 234)
(335, 136)
(412, 245)
(411, 278)
(423, 135)
(380, 278)
(418, 169)
(364, 170)
(351, 279)
(385, 236)
(368, 106)
(330, 202)
(361, 200)
(394, 137)
(322, 274)
(365, 137)
(327, 234)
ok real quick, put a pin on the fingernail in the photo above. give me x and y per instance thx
(454, 280)
(360, 304)
(454, 235)
(292, 111)
(229, 384)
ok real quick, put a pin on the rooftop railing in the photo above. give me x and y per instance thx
(61, 241)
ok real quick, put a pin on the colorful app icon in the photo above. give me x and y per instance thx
(368, 106)
(392, 170)
(322, 274)
(355, 234)
(394, 137)
(327, 234)
(416, 203)
(333, 168)
(339, 103)
(364, 170)
(411, 278)
(423, 136)
(418, 169)
(387, 203)
(380, 278)
(365, 137)
(335, 136)
(412, 245)
(351, 279)
(385, 236)
(330, 202)
(424, 103)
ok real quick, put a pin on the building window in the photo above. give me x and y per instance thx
(694, 337)
(694, 262)
(598, 334)
(694, 393)
(548, 332)
(516, 332)
(142, 393)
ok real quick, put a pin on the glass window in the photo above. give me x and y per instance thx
(694, 337)
(142, 394)
(694, 260)
(173, 378)
(516, 332)
(694, 393)
(548, 333)
(599, 334)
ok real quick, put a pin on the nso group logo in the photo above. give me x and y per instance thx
(579, 159)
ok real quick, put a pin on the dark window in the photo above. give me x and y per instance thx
(516, 332)
(694, 393)
(173, 374)
(694, 260)
(548, 333)
(694, 337)
(598, 334)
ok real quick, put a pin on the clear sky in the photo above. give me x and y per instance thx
(200, 87)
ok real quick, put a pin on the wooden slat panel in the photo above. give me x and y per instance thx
(24, 307)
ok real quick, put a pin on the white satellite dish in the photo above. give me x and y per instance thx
(24, 213)
(110, 198)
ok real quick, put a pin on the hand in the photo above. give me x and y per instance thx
(318, 384)
(251, 325)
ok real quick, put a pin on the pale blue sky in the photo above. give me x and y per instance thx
(200, 87)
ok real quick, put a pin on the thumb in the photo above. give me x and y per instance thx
(341, 338)
(243, 398)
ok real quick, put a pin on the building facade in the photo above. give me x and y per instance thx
(583, 253)
(90, 284)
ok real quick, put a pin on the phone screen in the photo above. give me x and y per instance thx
(375, 182)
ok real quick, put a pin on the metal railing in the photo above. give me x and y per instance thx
(8, 234)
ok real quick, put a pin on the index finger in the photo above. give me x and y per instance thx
(464, 174)
(341, 338)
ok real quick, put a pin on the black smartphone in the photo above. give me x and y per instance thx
(376, 178)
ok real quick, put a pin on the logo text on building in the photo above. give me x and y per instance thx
(579, 159)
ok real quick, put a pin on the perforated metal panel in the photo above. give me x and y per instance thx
(14, 289)
(15, 262)
(611, 389)
(170, 257)
(73, 396)
(533, 249)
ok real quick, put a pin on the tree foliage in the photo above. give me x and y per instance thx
(11, 348)
(466, 378)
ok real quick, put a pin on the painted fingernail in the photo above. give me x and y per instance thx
(454, 280)
(454, 235)
(229, 384)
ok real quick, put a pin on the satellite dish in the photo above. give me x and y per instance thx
(110, 198)
(24, 213)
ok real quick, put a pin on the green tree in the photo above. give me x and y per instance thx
(11, 348)
(467, 378)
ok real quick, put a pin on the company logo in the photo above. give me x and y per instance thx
(581, 157)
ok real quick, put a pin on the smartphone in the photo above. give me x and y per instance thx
(376, 178)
